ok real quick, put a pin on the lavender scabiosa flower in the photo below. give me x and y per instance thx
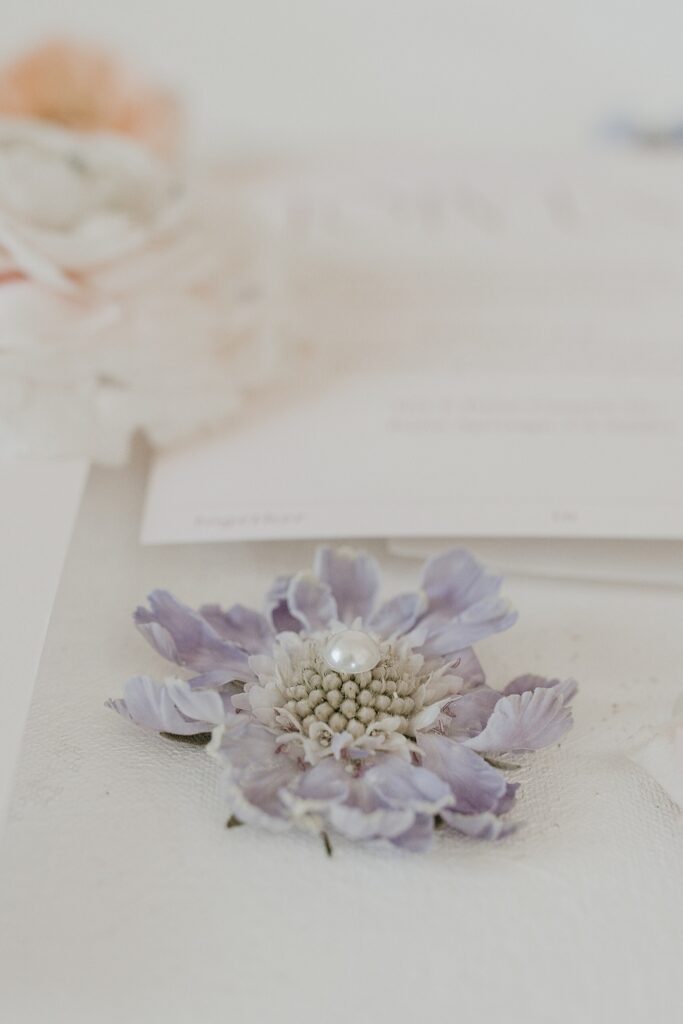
(332, 712)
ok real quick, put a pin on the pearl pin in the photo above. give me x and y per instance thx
(352, 651)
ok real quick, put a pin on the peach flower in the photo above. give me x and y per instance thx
(82, 88)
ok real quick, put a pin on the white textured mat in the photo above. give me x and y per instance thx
(124, 899)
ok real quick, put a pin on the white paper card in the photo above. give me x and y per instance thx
(424, 455)
(654, 563)
(491, 348)
(38, 507)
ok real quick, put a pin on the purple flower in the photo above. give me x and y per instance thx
(335, 713)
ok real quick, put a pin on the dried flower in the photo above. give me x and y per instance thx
(128, 299)
(72, 205)
(85, 89)
(331, 713)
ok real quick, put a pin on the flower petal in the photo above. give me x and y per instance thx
(181, 635)
(241, 625)
(478, 826)
(418, 837)
(468, 668)
(311, 602)
(567, 687)
(475, 785)
(524, 721)
(351, 805)
(277, 609)
(455, 581)
(446, 637)
(257, 772)
(367, 820)
(327, 782)
(218, 679)
(353, 577)
(469, 713)
(200, 705)
(398, 783)
(398, 615)
(426, 718)
(170, 706)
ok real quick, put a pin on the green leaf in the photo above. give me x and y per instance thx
(198, 739)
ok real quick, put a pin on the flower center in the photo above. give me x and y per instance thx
(351, 701)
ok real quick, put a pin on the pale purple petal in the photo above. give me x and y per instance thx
(478, 826)
(418, 837)
(353, 577)
(257, 772)
(393, 800)
(447, 636)
(567, 687)
(464, 605)
(326, 782)
(524, 721)
(508, 799)
(476, 785)
(470, 713)
(399, 614)
(365, 817)
(218, 679)
(351, 805)
(455, 580)
(311, 602)
(241, 625)
(181, 635)
(398, 783)
(197, 705)
(277, 609)
(169, 707)
(466, 666)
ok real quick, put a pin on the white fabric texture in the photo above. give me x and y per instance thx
(124, 898)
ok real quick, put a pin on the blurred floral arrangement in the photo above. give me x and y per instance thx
(130, 280)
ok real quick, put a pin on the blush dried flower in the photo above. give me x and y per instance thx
(82, 88)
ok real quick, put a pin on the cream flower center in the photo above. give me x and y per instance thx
(352, 702)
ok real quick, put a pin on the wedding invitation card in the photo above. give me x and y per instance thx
(484, 349)
(435, 455)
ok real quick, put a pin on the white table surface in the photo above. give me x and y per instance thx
(123, 897)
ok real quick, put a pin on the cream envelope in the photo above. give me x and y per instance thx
(645, 562)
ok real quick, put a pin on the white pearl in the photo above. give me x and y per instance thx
(352, 651)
